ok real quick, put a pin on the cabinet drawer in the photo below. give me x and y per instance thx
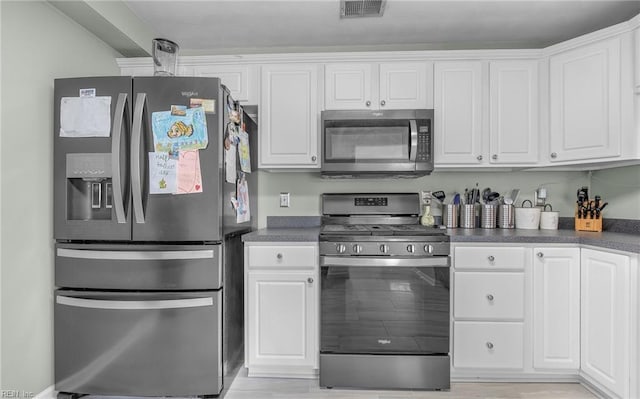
(283, 256)
(490, 258)
(488, 345)
(488, 295)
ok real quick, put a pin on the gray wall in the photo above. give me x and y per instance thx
(38, 45)
(621, 188)
(305, 188)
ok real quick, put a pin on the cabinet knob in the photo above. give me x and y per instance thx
(479, 157)
(313, 158)
(310, 280)
(368, 103)
(540, 254)
(494, 156)
(383, 103)
(279, 256)
(490, 345)
(490, 297)
(491, 258)
(554, 155)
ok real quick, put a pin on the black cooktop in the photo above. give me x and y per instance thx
(380, 229)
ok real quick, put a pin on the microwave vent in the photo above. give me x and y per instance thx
(361, 8)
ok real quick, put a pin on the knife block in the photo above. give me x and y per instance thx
(588, 224)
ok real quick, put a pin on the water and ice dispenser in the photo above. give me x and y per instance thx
(89, 186)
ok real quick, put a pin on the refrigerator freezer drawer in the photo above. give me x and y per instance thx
(138, 344)
(142, 267)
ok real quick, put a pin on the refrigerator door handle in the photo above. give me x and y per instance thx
(134, 305)
(135, 255)
(136, 142)
(121, 115)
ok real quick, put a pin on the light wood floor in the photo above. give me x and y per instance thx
(276, 388)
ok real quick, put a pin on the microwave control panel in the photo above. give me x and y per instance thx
(424, 141)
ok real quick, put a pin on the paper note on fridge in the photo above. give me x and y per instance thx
(173, 133)
(189, 176)
(162, 173)
(85, 116)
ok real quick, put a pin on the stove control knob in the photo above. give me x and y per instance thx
(357, 248)
(384, 248)
(341, 248)
(428, 249)
(411, 248)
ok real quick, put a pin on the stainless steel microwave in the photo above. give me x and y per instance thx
(396, 143)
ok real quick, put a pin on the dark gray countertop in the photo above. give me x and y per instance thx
(303, 234)
(617, 241)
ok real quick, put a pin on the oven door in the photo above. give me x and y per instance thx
(384, 305)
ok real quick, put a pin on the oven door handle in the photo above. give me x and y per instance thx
(377, 261)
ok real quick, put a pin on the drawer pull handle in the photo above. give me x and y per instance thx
(491, 258)
(490, 297)
(310, 280)
(279, 256)
(489, 345)
(540, 254)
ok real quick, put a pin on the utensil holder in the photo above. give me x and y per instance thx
(506, 216)
(468, 216)
(488, 216)
(451, 215)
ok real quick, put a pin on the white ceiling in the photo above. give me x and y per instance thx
(250, 26)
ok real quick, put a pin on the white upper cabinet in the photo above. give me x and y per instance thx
(637, 62)
(513, 112)
(585, 102)
(241, 80)
(289, 116)
(462, 106)
(458, 113)
(397, 85)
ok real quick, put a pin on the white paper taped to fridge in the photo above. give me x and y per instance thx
(85, 116)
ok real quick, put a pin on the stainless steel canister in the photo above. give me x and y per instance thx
(488, 216)
(468, 216)
(506, 217)
(451, 215)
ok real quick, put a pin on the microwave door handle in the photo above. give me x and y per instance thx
(414, 140)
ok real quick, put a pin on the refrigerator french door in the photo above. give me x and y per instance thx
(101, 184)
(141, 298)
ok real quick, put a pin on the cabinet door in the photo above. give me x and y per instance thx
(585, 104)
(241, 80)
(289, 116)
(349, 86)
(556, 308)
(405, 85)
(513, 105)
(458, 113)
(605, 319)
(282, 319)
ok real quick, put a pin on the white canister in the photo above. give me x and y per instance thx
(528, 218)
(549, 219)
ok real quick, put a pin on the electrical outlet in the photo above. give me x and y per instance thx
(284, 200)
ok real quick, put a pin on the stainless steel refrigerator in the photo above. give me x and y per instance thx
(149, 284)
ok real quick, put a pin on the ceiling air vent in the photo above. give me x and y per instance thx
(361, 8)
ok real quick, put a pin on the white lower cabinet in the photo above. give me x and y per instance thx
(496, 345)
(605, 320)
(281, 309)
(556, 308)
(489, 313)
